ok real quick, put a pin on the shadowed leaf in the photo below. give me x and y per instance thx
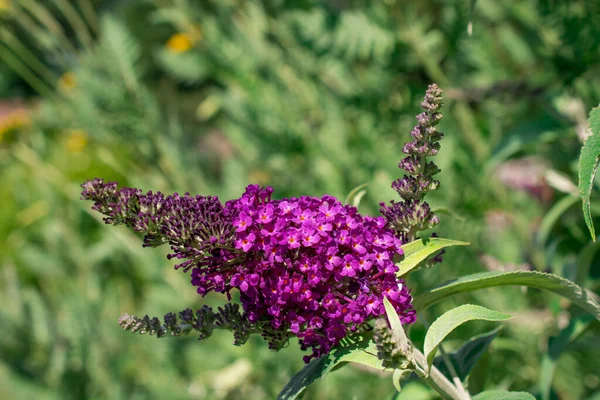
(465, 358)
(588, 166)
(359, 350)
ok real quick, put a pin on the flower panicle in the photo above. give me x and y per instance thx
(412, 214)
(197, 228)
(204, 321)
(307, 267)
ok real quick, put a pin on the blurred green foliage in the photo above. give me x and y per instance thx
(309, 97)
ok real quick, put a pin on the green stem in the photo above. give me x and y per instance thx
(435, 379)
(47, 19)
(26, 55)
(76, 21)
(88, 11)
(28, 76)
(455, 377)
(34, 30)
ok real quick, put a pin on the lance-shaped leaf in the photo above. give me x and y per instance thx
(394, 320)
(588, 166)
(556, 345)
(502, 395)
(452, 319)
(553, 216)
(356, 195)
(419, 250)
(465, 358)
(359, 349)
(397, 377)
(539, 280)
(400, 335)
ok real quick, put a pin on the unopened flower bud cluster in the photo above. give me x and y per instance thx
(412, 214)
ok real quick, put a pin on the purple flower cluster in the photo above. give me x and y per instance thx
(315, 267)
(309, 267)
(198, 228)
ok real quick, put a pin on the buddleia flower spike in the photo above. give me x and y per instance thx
(412, 214)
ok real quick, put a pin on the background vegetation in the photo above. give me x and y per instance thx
(309, 97)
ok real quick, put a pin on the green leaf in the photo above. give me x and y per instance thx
(465, 358)
(123, 48)
(584, 261)
(186, 67)
(418, 251)
(450, 213)
(555, 347)
(502, 395)
(553, 216)
(356, 195)
(539, 280)
(452, 319)
(393, 318)
(359, 349)
(397, 376)
(588, 166)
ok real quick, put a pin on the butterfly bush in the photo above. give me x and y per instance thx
(309, 267)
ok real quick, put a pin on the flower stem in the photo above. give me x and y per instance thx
(455, 377)
(436, 380)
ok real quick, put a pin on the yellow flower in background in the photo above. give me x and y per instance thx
(180, 43)
(67, 82)
(4, 5)
(12, 121)
(76, 141)
(33, 213)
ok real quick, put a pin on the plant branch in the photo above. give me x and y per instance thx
(455, 378)
(435, 379)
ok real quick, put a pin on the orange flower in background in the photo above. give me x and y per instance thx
(67, 82)
(4, 5)
(13, 116)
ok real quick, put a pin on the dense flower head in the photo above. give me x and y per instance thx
(307, 267)
(315, 266)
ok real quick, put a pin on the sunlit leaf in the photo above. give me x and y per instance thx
(397, 377)
(539, 280)
(356, 195)
(394, 319)
(452, 319)
(419, 250)
(501, 395)
(588, 166)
